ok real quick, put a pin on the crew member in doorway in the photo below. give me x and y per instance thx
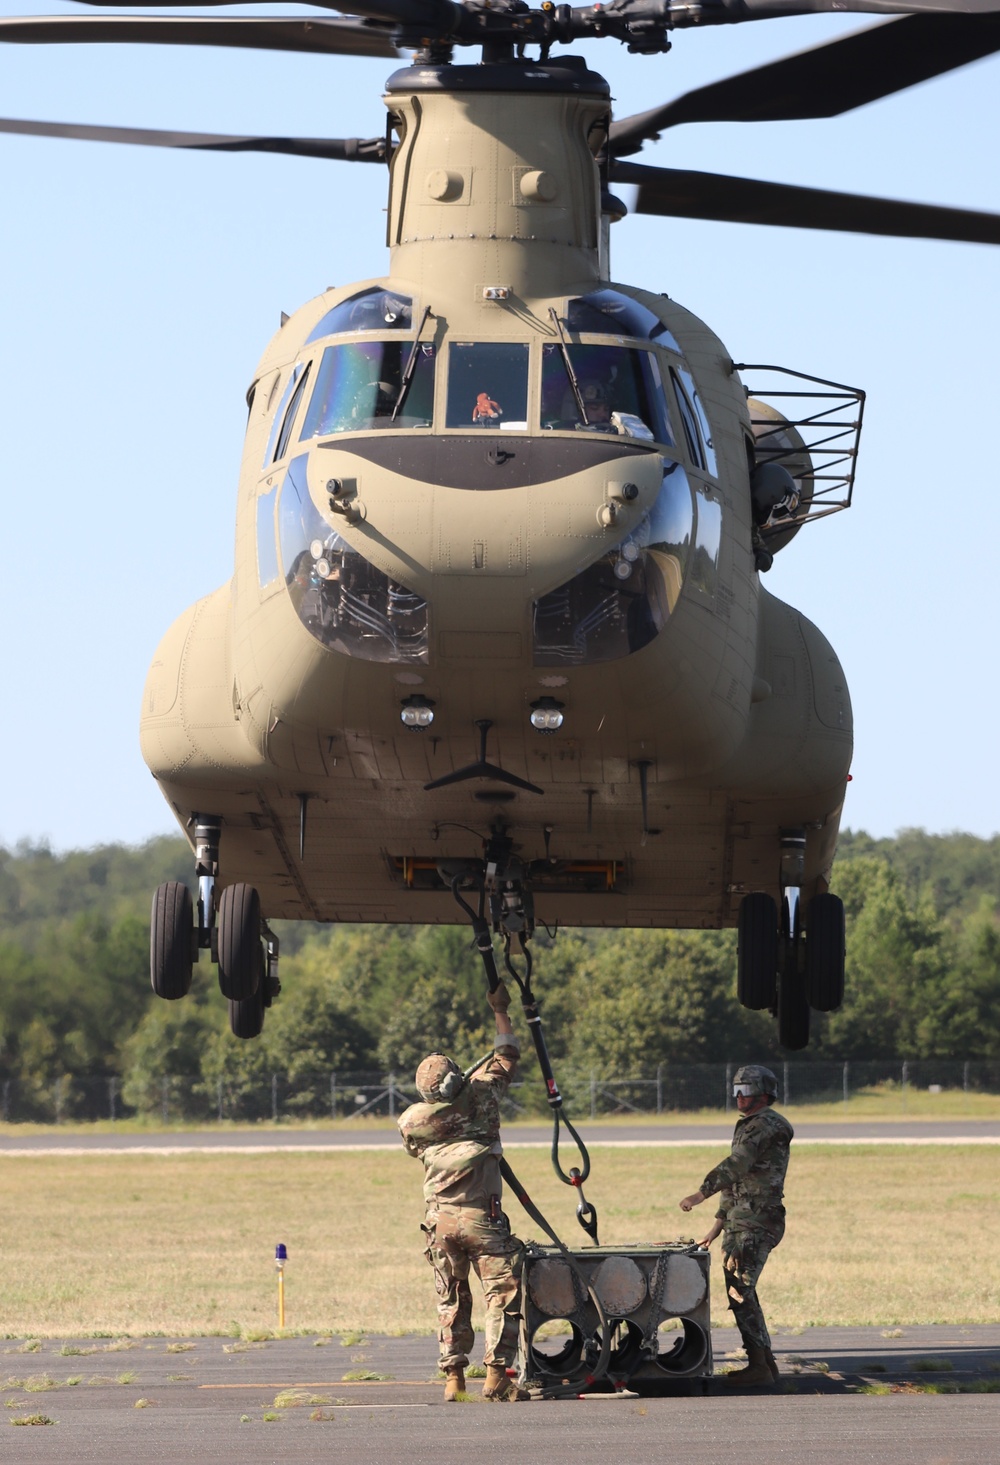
(455, 1131)
(751, 1216)
(486, 410)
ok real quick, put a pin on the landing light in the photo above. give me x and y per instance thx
(547, 715)
(417, 712)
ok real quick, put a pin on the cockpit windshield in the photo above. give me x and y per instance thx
(488, 385)
(620, 389)
(358, 386)
(604, 312)
(374, 309)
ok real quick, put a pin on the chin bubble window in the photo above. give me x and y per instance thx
(707, 543)
(267, 553)
(617, 390)
(338, 595)
(359, 388)
(488, 386)
(618, 605)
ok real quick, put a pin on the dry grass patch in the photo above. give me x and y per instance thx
(351, 1221)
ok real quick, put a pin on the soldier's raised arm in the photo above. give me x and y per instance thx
(499, 1001)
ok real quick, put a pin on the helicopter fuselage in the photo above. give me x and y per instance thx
(494, 488)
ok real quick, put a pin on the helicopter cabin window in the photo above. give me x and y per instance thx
(619, 390)
(338, 595)
(267, 552)
(707, 542)
(360, 388)
(488, 385)
(370, 310)
(696, 428)
(604, 312)
(280, 416)
(618, 605)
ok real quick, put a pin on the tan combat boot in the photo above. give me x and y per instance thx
(499, 1389)
(454, 1384)
(761, 1369)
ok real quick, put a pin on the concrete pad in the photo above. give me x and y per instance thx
(213, 1402)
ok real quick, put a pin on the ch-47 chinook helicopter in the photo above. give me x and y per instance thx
(496, 629)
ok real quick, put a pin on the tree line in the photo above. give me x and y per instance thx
(923, 978)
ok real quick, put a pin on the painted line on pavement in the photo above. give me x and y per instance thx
(172, 1151)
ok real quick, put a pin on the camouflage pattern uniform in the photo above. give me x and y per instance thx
(459, 1144)
(751, 1183)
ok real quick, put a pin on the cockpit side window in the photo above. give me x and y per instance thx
(291, 412)
(696, 426)
(374, 309)
(621, 390)
(488, 385)
(609, 312)
(279, 416)
(358, 388)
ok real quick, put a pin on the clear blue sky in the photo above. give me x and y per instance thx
(140, 287)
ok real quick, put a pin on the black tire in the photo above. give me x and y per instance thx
(241, 957)
(247, 1018)
(757, 961)
(793, 1004)
(171, 941)
(825, 952)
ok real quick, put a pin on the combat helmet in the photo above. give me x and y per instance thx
(438, 1079)
(757, 1078)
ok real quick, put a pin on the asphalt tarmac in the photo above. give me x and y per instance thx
(262, 1140)
(229, 1403)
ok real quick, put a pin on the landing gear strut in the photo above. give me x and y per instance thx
(792, 961)
(229, 926)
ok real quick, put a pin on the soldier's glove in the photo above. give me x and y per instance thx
(499, 998)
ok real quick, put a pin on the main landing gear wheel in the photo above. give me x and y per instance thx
(825, 948)
(246, 1019)
(793, 1004)
(241, 956)
(172, 939)
(757, 947)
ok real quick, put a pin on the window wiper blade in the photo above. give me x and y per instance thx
(564, 348)
(410, 367)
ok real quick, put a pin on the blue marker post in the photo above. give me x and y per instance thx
(280, 1258)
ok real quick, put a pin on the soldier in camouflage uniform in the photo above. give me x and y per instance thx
(751, 1216)
(455, 1131)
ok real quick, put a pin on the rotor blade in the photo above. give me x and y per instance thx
(826, 80)
(723, 11)
(677, 193)
(433, 13)
(343, 149)
(319, 37)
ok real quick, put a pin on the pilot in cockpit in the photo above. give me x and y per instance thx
(596, 404)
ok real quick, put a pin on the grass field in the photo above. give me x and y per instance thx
(886, 1235)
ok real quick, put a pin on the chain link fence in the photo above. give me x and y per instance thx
(335, 1097)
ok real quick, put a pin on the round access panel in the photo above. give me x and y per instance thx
(620, 1285)
(685, 1287)
(550, 1283)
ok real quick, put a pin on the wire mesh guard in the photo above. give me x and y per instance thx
(810, 426)
(655, 1298)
